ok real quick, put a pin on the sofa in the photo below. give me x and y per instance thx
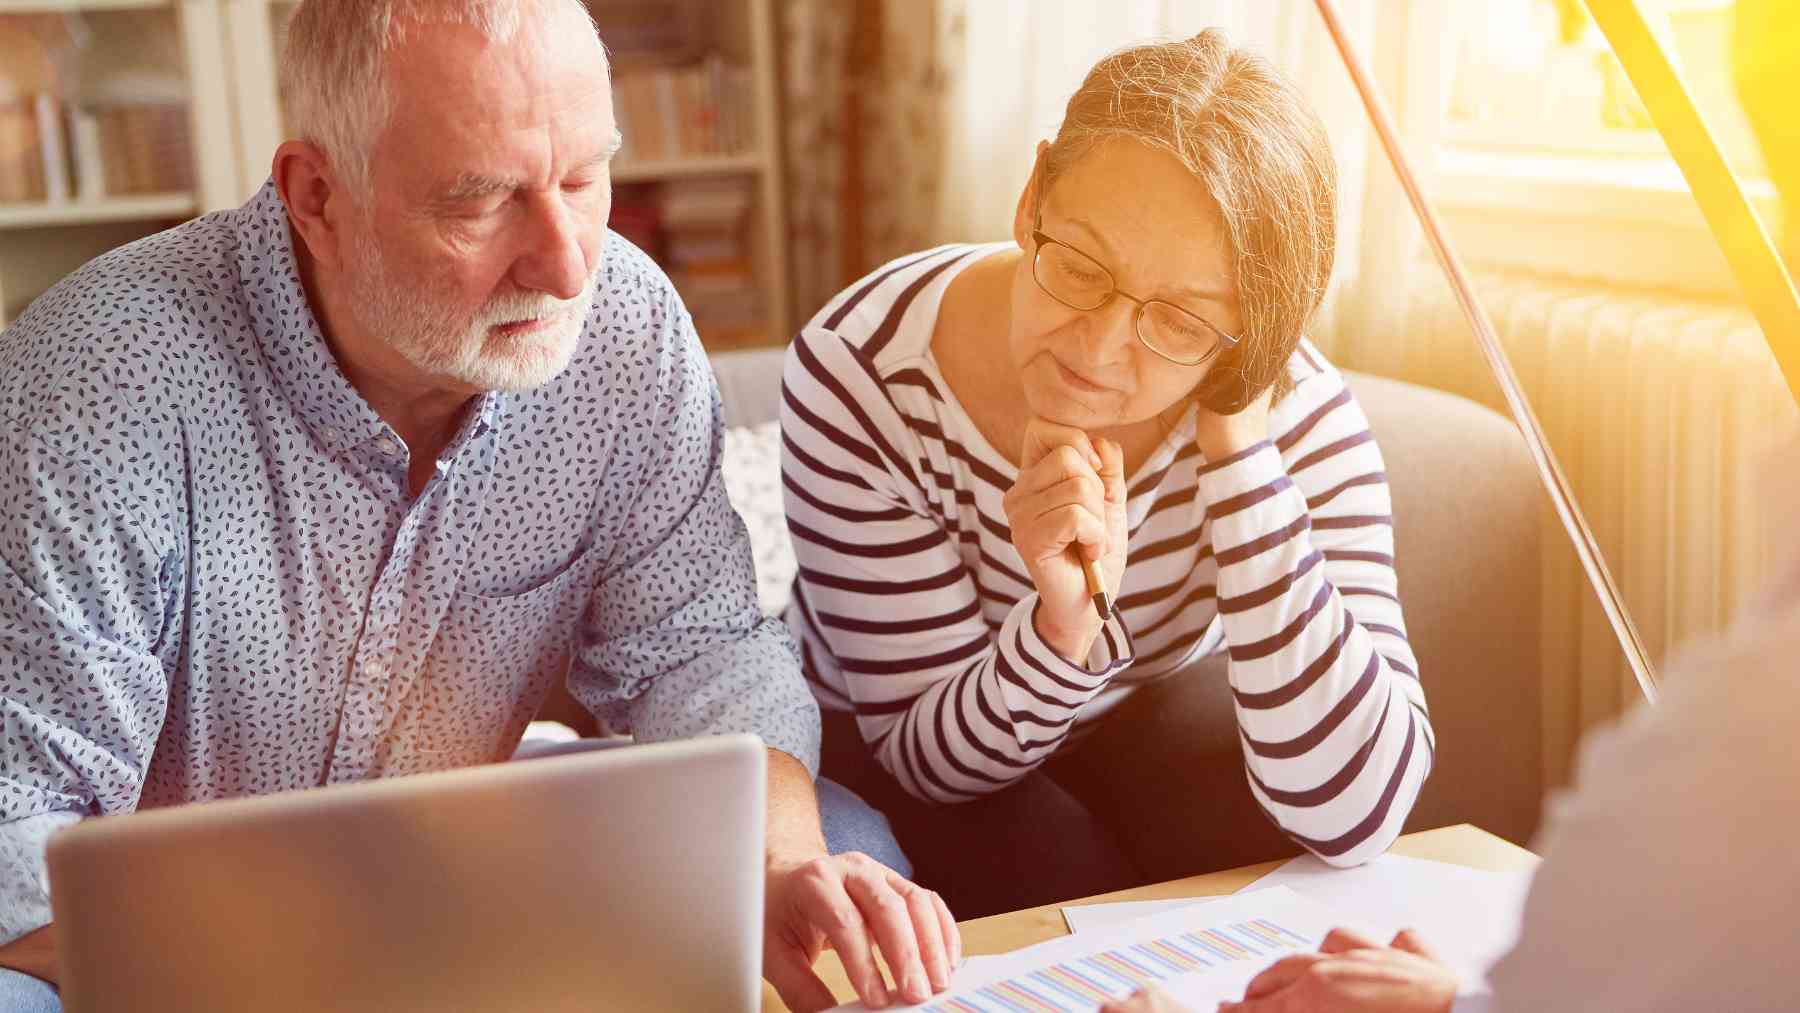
(1466, 514)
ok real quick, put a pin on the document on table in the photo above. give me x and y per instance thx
(1200, 955)
(1468, 916)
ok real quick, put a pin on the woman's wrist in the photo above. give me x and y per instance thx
(1073, 645)
(1221, 436)
(1214, 447)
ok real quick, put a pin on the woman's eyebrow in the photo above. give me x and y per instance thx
(1195, 291)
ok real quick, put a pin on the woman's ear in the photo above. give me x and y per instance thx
(1026, 214)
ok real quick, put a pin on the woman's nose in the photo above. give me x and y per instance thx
(1111, 331)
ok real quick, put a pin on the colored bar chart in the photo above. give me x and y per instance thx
(1085, 982)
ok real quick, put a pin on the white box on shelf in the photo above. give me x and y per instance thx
(50, 143)
(90, 159)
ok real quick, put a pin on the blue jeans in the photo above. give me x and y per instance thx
(21, 993)
(854, 825)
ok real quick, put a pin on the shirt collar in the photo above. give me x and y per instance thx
(294, 347)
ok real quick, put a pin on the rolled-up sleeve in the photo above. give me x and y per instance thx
(84, 599)
(674, 644)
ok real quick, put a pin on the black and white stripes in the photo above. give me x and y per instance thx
(914, 610)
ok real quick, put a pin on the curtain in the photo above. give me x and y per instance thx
(863, 130)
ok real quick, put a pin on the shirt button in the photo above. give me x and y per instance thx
(391, 445)
(375, 670)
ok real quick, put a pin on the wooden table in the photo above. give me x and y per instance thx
(1459, 845)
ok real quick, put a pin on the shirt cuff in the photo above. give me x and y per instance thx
(24, 882)
(1020, 644)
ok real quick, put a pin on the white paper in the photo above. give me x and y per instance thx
(1087, 917)
(1470, 917)
(1289, 923)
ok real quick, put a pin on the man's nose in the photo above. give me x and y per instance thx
(555, 259)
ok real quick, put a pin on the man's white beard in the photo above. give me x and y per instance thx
(418, 323)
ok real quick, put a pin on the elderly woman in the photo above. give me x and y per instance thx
(1124, 387)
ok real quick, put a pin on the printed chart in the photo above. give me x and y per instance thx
(1085, 982)
(1199, 954)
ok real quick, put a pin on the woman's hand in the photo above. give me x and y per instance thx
(1220, 436)
(1354, 974)
(1068, 505)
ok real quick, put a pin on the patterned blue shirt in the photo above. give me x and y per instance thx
(214, 583)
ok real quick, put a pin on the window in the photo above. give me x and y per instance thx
(1537, 76)
(1548, 161)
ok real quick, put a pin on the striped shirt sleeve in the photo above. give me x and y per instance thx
(1336, 738)
(949, 708)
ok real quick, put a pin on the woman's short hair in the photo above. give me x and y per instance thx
(332, 63)
(1247, 134)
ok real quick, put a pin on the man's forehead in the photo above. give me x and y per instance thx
(462, 92)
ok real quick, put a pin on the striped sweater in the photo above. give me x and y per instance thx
(913, 609)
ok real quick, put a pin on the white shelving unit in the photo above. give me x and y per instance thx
(41, 241)
(230, 53)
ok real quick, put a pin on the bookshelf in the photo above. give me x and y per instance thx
(130, 100)
(148, 207)
(227, 56)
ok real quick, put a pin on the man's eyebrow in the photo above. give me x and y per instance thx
(472, 186)
(1195, 291)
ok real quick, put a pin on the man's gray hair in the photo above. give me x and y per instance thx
(331, 66)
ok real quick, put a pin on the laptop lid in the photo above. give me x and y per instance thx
(617, 879)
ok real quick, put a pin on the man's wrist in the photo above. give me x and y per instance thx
(33, 953)
(793, 835)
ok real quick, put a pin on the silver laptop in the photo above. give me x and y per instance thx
(625, 879)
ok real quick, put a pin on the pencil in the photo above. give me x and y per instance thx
(1097, 588)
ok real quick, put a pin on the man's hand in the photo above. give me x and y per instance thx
(1354, 974)
(1067, 506)
(855, 904)
(1220, 436)
(33, 953)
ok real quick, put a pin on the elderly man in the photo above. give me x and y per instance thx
(336, 485)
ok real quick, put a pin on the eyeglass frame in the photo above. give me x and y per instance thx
(1040, 238)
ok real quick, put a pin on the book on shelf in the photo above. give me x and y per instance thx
(21, 154)
(674, 112)
(144, 148)
(705, 246)
(639, 32)
(637, 217)
(51, 153)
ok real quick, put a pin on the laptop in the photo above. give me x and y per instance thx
(622, 879)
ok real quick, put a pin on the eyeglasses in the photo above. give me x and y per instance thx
(1080, 282)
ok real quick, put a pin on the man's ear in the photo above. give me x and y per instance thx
(1026, 214)
(315, 197)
